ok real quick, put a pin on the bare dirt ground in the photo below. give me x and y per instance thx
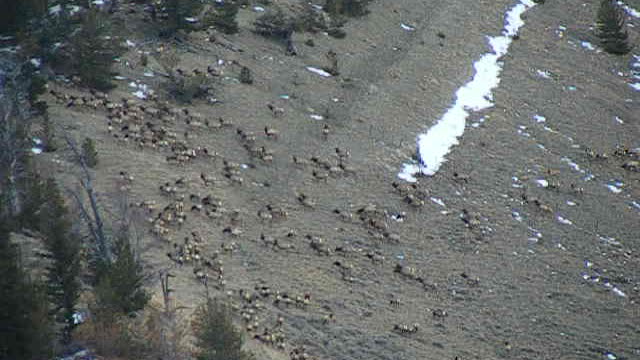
(486, 274)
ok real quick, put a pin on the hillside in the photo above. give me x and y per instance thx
(522, 245)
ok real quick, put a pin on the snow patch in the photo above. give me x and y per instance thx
(318, 71)
(542, 182)
(476, 95)
(539, 118)
(587, 45)
(565, 221)
(407, 27)
(629, 10)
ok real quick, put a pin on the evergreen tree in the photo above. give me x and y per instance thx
(48, 134)
(346, 7)
(245, 76)
(119, 287)
(613, 36)
(216, 336)
(91, 51)
(224, 17)
(25, 327)
(64, 248)
(16, 14)
(177, 13)
(90, 153)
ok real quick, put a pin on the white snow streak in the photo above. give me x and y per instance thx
(629, 10)
(476, 95)
(318, 71)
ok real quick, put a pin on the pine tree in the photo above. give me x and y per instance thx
(245, 76)
(613, 36)
(346, 7)
(224, 17)
(177, 13)
(90, 153)
(64, 248)
(25, 327)
(120, 282)
(216, 336)
(16, 14)
(91, 51)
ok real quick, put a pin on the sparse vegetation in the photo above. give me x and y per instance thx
(613, 36)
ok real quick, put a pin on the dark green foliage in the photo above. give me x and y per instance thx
(337, 33)
(177, 11)
(48, 135)
(15, 14)
(613, 36)
(245, 76)
(90, 153)
(346, 7)
(216, 337)
(36, 87)
(90, 54)
(119, 288)
(223, 18)
(310, 20)
(274, 23)
(25, 327)
(64, 249)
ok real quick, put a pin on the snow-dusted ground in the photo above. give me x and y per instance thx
(476, 95)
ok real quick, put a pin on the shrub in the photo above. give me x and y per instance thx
(310, 20)
(274, 23)
(245, 76)
(90, 153)
(613, 37)
(346, 7)
(216, 337)
(181, 86)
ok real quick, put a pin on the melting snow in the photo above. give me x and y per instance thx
(562, 220)
(474, 96)
(55, 10)
(438, 201)
(614, 189)
(629, 10)
(539, 118)
(35, 62)
(318, 71)
(407, 27)
(542, 182)
(544, 74)
(587, 45)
